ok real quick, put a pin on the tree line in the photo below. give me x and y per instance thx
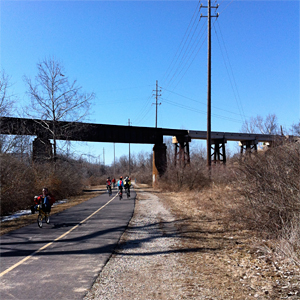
(53, 96)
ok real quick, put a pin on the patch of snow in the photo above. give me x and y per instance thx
(21, 213)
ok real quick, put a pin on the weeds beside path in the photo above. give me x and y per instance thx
(232, 262)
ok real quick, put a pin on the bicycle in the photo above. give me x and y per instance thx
(109, 190)
(120, 194)
(127, 190)
(42, 214)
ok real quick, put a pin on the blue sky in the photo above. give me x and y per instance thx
(118, 49)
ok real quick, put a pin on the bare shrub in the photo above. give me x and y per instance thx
(269, 181)
(21, 181)
(189, 176)
(142, 176)
(17, 184)
(63, 181)
(289, 242)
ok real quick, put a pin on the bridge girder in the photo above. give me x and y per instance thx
(87, 132)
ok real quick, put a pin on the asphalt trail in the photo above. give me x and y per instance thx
(62, 259)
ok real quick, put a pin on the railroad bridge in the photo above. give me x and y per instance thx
(91, 132)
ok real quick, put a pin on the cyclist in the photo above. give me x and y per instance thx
(108, 184)
(114, 182)
(46, 199)
(120, 184)
(127, 184)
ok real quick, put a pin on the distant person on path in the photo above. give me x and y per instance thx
(108, 185)
(127, 184)
(108, 182)
(114, 182)
(120, 184)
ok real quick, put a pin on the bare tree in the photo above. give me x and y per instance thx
(296, 129)
(258, 124)
(7, 100)
(9, 143)
(55, 98)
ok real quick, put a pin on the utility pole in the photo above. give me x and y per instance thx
(103, 157)
(208, 138)
(156, 102)
(129, 153)
(114, 160)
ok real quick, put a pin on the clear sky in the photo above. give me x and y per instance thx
(118, 49)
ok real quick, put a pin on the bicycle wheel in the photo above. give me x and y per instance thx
(47, 219)
(40, 221)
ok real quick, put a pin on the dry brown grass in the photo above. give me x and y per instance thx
(8, 226)
(222, 254)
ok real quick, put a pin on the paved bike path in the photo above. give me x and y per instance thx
(76, 245)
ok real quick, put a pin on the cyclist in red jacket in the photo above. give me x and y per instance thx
(46, 199)
(113, 182)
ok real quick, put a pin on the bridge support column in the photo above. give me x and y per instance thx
(248, 146)
(182, 150)
(219, 153)
(41, 149)
(159, 161)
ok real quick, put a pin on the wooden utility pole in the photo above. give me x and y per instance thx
(156, 102)
(129, 153)
(208, 137)
(103, 157)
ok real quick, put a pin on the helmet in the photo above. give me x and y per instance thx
(108, 177)
(121, 177)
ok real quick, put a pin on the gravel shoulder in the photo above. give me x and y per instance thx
(177, 248)
(145, 265)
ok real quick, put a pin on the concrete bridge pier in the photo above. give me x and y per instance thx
(159, 161)
(219, 151)
(41, 149)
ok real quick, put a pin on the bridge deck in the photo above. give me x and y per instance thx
(232, 136)
(87, 132)
(90, 132)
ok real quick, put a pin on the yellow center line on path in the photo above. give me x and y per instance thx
(49, 244)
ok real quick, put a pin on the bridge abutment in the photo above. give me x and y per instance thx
(159, 161)
(41, 149)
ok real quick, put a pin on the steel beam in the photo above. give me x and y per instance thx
(87, 132)
(232, 136)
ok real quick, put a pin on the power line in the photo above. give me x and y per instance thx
(179, 49)
(127, 88)
(187, 56)
(225, 6)
(235, 90)
(188, 66)
(200, 111)
(202, 102)
(144, 112)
